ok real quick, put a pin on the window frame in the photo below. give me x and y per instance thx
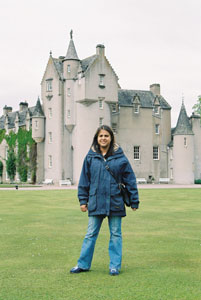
(157, 128)
(136, 153)
(101, 121)
(154, 152)
(50, 161)
(50, 112)
(50, 137)
(49, 86)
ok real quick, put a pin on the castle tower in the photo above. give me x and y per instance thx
(38, 134)
(183, 150)
(196, 127)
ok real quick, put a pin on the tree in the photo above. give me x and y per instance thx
(1, 170)
(22, 157)
(197, 106)
(11, 158)
(11, 164)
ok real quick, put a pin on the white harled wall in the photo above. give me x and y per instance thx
(183, 159)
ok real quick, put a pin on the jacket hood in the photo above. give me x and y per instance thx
(117, 152)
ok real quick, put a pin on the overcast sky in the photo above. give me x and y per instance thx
(146, 41)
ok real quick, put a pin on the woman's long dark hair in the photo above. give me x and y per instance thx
(95, 144)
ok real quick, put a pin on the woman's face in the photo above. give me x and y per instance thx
(104, 139)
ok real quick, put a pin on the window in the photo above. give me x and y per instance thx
(101, 80)
(157, 126)
(171, 154)
(114, 108)
(68, 68)
(79, 78)
(171, 173)
(50, 137)
(136, 152)
(49, 85)
(156, 109)
(114, 127)
(136, 108)
(36, 124)
(50, 112)
(100, 121)
(68, 113)
(155, 153)
(68, 92)
(50, 161)
(101, 104)
(185, 142)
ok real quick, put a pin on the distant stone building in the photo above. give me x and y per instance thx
(80, 95)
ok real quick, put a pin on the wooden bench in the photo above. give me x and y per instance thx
(48, 181)
(141, 180)
(164, 180)
(64, 182)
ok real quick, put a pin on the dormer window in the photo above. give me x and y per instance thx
(49, 85)
(136, 104)
(156, 109)
(136, 108)
(156, 105)
(101, 80)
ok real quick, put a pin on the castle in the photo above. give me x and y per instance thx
(80, 95)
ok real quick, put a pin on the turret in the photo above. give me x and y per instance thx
(183, 150)
(38, 123)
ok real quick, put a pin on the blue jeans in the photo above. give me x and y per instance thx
(115, 243)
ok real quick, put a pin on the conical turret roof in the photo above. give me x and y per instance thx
(71, 52)
(38, 111)
(183, 124)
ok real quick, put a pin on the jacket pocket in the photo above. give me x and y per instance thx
(92, 204)
(117, 203)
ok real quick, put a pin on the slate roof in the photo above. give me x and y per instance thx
(33, 111)
(71, 52)
(87, 62)
(183, 126)
(146, 98)
(59, 67)
(2, 120)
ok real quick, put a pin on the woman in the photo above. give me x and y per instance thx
(99, 194)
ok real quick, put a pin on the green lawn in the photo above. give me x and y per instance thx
(41, 233)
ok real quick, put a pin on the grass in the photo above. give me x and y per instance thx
(41, 233)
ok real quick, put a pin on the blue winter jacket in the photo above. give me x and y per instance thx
(99, 190)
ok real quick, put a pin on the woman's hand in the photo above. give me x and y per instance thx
(134, 208)
(83, 208)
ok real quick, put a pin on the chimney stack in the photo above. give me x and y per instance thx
(155, 89)
(23, 106)
(100, 49)
(7, 109)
